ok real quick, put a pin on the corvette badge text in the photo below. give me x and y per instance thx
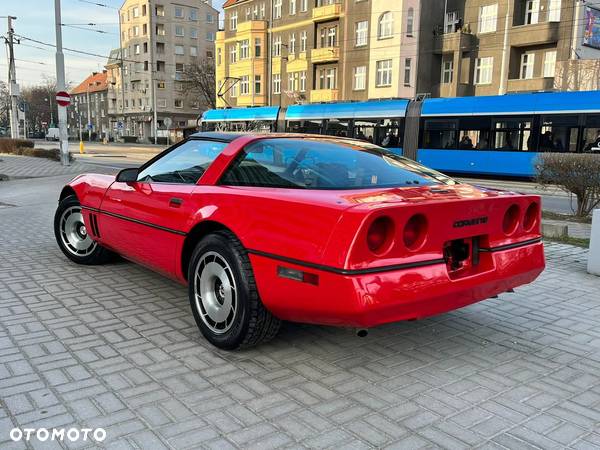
(469, 222)
(58, 434)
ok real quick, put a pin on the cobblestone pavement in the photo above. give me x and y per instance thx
(116, 347)
(30, 167)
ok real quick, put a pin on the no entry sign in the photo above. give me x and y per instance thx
(63, 98)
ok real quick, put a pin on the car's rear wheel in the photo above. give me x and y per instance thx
(72, 236)
(223, 295)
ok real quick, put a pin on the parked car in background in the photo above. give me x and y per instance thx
(53, 134)
(316, 229)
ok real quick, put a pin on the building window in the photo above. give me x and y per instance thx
(193, 51)
(293, 79)
(554, 10)
(483, 70)
(276, 83)
(410, 20)
(303, 5)
(257, 48)
(136, 12)
(532, 11)
(407, 71)
(145, 29)
(179, 31)
(450, 21)
(233, 91)
(384, 73)
(136, 49)
(303, 81)
(244, 49)
(160, 84)
(159, 10)
(179, 71)
(360, 78)
(178, 103)
(257, 84)
(549, 63)
(233, 53)
(292, 43)
(193, 14)
(161, 102)
(219, 56)
(277, 46)
(136, 30)
(488, 16)
(327, 78)
(292, 7)
(193, 33)
(527, 62)
(179, 12)
(277, 9)
(385, 26)
(179, 50)
(244, 85)
(332, 37)
(361, 33)
(210, 18)
(210, 36)
(447, 69)
(233, 20)
(303, 41)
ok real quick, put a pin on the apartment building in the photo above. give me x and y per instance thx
(159, 40)
(280, 52)
(491, 47)
(89, 107)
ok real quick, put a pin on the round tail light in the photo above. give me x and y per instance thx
(380, 235)
(511, 220)
(531, 216)
(415, 232)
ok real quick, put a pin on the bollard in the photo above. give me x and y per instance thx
(81, 149)
(594, 253)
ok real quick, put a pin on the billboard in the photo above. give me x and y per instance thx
(591, 30)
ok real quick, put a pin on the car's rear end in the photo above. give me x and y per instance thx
(411, 253)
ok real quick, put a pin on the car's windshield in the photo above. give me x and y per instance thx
(313, 163)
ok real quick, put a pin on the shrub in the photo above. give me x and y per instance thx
(8, 145)
(578, 174)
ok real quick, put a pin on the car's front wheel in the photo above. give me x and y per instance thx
(72, 236)
(223, 295)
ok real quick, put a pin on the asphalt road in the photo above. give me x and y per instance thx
(132, 155)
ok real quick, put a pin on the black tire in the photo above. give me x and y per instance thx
(250, 323)
(91, 253)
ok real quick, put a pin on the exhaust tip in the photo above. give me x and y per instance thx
(362, 332)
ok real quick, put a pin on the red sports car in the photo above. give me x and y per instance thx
(335, 231)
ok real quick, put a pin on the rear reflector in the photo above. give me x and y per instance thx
(298, 275)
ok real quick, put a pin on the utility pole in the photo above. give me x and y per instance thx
(12, 82)
(60, 84)
(89, 117)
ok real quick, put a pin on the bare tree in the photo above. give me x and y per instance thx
(200, 79)
(4, 105)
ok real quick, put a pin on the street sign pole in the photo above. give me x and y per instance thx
(60, 84)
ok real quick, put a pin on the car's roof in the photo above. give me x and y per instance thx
(217, 135)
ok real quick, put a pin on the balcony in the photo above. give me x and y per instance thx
(530, 84)
(324, 95)
(326, 12)
(250, 100)
(325, 54)
(252, 26)
(534, 34)
(453, 42)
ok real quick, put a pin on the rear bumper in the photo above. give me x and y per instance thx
(368, 300)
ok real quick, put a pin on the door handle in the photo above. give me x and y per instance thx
(175, 202)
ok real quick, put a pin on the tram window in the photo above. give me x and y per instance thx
(383, 132)
(512, 134)
(474, 133)
(591, 134)
(558, 134)
(305, 126)
(439, 134)
(335, 127)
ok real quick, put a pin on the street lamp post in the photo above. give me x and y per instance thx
(89, 117)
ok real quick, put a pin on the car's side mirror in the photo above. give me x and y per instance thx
(128, 175)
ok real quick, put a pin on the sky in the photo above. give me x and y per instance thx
(35, 20)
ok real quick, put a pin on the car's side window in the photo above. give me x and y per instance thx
(185, 164)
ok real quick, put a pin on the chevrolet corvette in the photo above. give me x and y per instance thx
(315, 229)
